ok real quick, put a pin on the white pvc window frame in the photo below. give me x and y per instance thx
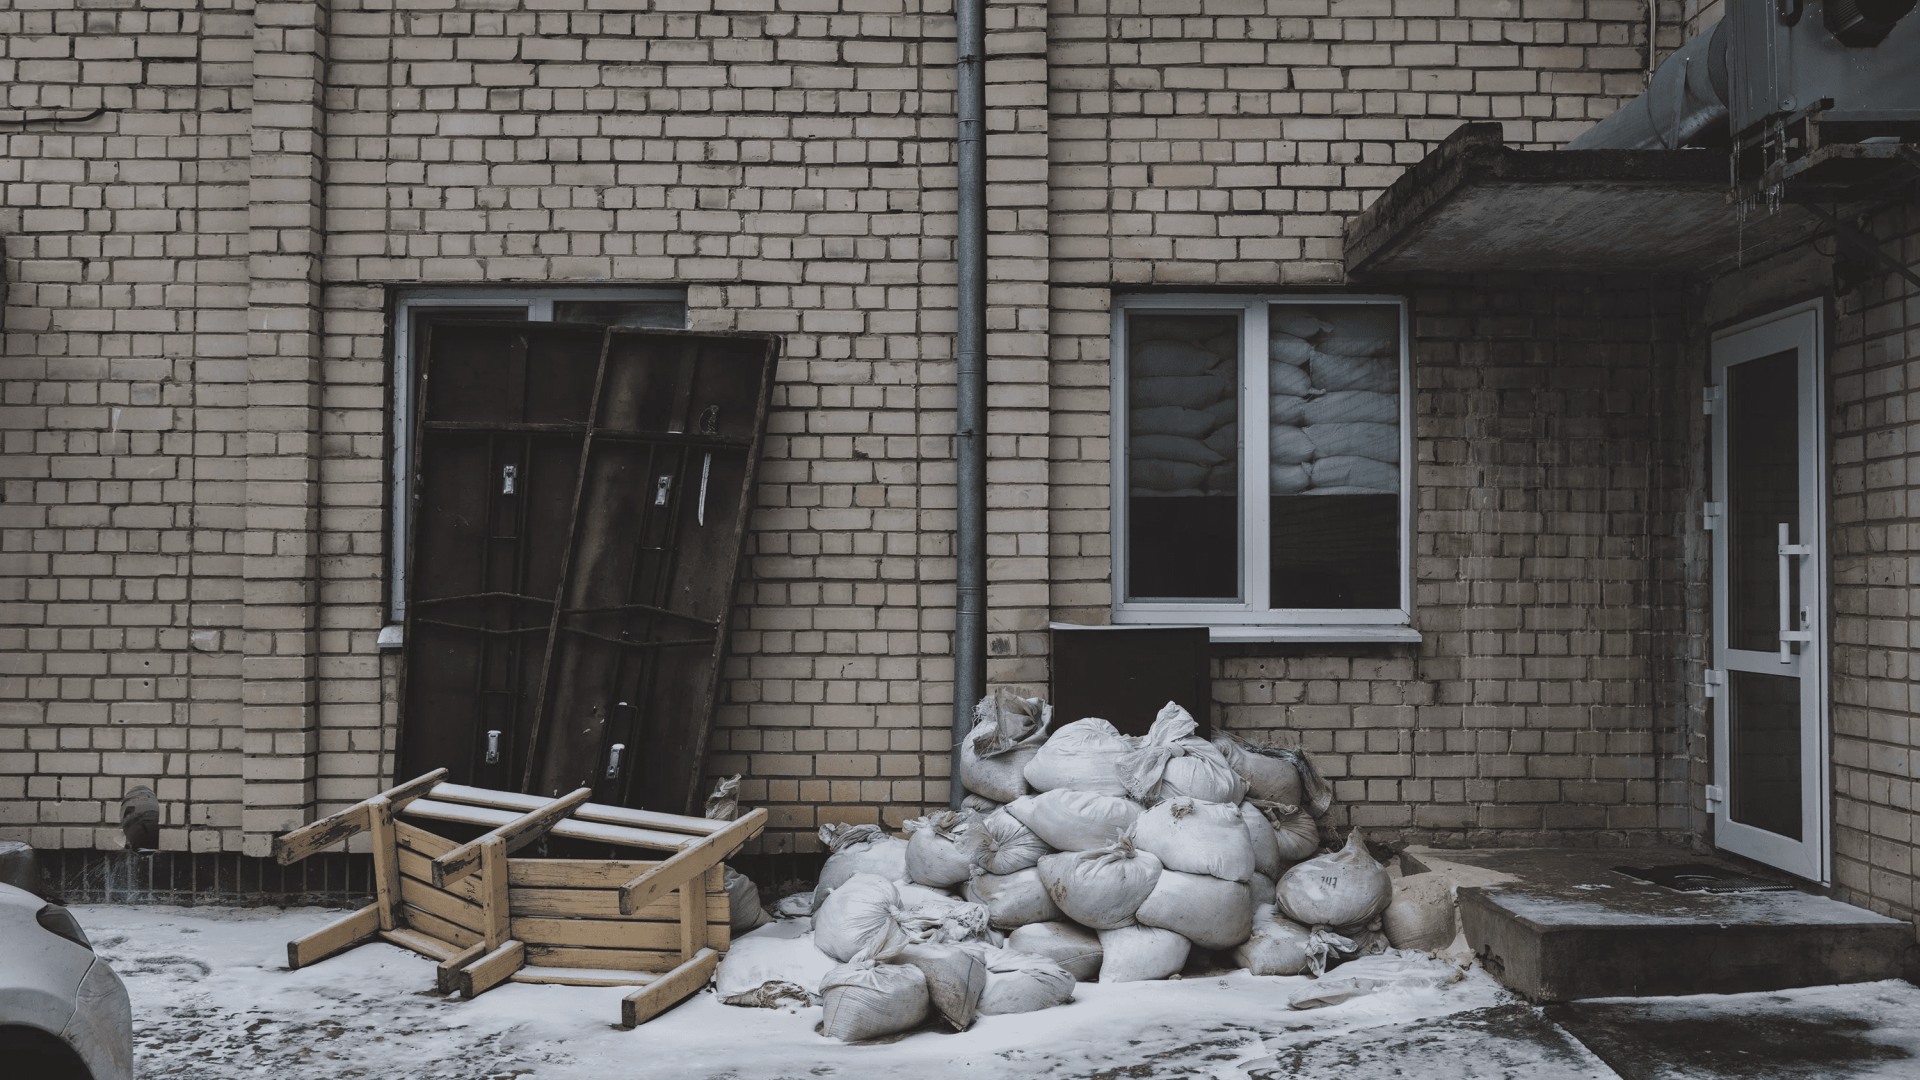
(538, 302)
(1250, 618)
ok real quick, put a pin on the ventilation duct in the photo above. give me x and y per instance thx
(1686, 98)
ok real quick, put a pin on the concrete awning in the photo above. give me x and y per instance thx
(1474, 205)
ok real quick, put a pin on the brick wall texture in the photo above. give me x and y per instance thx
(197, 362)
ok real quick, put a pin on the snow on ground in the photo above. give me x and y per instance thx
(212, 1000)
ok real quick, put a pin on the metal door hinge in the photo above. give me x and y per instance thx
(660, 488)
(493, 748)
(1709, 400)
(507, 475)
(613, 760)
(1712, 513)
(1713, 680)
(1716, 796)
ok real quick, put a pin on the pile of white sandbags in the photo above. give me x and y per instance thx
(1081, 855)
(1333, 406)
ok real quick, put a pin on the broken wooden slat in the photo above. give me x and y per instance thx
(418, 867)
(690, 862)
(425, 944)
(290, 848)
(415, 839)
(489, 817)
(669, 990)
(601, 812)
(425, 923)
(442, 904)
(446, 974)
(492, 969)
(524, 829)
(584, 976)
(333, 937)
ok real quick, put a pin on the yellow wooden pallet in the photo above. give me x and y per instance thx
(488, 917)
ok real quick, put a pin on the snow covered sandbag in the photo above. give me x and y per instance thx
(1182, 391)
(1171, 420)
(1287, 409)
(1269, 771)
(1012, 900)
(956, 978)
(1101, 888)
(1165, 477)
(1285, 378)
(1197, 837)
(1276, 945)
(999, 844)
(935, 855)
(866, 997)
(943, 919)
(1266, 848)
(860, 849)
(1421, 916)
(1373, 973)
(1297, 320)
(1070, 820)
(1173, 448)
(1288, 445)
(1074, 947)
(1210, 912)
(1288, 479)
(1294, 831)
(773, 966)
(914, 895)
(1332, 372)
(980, 804)
(1352, 407)
(1141, 954)
(1020, 982)
(1365, 474)
(1346, 888)
(1172, 762)
(1082, 756)
(1289, 349)
(743, 903)
(857, 914)
(1161, 358)
(1378, 442)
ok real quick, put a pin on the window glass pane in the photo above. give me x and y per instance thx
(1763, 491)
(1333, 469)
(663, 314)
(1765, 766)
(1183, 452)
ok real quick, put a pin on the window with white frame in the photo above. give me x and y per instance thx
(607, 305)
(1261, 465)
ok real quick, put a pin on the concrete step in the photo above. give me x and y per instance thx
(1562, 925)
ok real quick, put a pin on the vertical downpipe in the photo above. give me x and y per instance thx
(970, 339)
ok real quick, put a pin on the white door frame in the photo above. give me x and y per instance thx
(1800, 328)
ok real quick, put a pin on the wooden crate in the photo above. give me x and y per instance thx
(488, 917)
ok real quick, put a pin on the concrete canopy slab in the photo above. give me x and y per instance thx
(1473, 205)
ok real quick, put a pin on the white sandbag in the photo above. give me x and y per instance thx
(1071, 820)
(1172, 762)
(1266, 849)
(1225, 442)
(857, 914)
(998, 775)
(1224, 411)
(1020, 982)
(724, 803)
(1354, 373)
(743, 902)
(942, 919)
(1171, 420)
(999, 844)
(1356, 472)
(1352, 407)
(935, 855)
(1141, 953)
(1197, 837)
(1226, 344)
(1083, 756)
(1421, 914)
(1101, 888)
(860, 849)
(1295, 832)
(1287, 409)
(1296, 319)
(1075, 948)
(1344, 889)
(1269, 771)
(1184, 391)
(1288, 349)
(1379, 442)
(1165, 477)
(773, 967)
(982, 805)
(1211, 912)
(1285, 378)
(1288, 445)
(956, 978)
(868, 998)
(1161, 358)
(1288, 479)
(1276, 945)
(1373, 973)
(1261, 887)
(1348, 343)
(1172, 448)
(796, 905)
(1223, 479)
(1012, 900)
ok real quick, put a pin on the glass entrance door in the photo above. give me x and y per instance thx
(1770, 796)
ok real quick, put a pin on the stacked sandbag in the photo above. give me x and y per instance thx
(1103, 888)
(956, 979)
(937, 848)
(1202, 893)
(1333, 377)
(858, 913)
(1141, 953)
(1012, 900)
(1183, 429)
(1019, 982)
(1276, 946)
(1172, 762)
(868, 997)
(859, 849)
(1007, 734)
(1341, 898)
(744, 912)
(1074, 947)
(1276, 775)
(1000, 844)
(773, 967)
(1081, 756)
(1422, 915)
(1068, 820)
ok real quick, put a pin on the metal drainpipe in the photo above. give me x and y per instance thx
(970, 434)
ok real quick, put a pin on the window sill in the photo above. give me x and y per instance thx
(1220, 634)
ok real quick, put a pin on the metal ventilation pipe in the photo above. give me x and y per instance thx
(1686, 96)
(970, 405)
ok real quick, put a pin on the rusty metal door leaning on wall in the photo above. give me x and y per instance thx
(580, 503)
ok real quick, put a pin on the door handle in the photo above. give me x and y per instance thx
(1788, 634)
(493, 748)
(613, 760)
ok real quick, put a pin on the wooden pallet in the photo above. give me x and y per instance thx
(487, 917)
